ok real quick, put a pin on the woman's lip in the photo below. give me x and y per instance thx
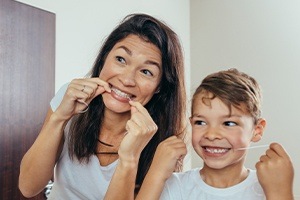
(119, 98)
(121, 93)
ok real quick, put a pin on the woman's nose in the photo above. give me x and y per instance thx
(128, 77)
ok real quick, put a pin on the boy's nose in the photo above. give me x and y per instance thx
(212, 134)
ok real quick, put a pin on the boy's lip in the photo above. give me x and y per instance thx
(215, 149)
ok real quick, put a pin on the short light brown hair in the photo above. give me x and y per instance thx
(233, 88)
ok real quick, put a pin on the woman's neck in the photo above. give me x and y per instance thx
(114, 124)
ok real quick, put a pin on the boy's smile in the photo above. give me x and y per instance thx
(217, 131)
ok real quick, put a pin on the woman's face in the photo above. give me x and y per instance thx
(133, 69)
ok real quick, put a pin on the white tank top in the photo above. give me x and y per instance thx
(74, 180)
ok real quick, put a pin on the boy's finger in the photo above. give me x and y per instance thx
(277, 148)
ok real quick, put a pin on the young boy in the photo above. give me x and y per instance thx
(226, 119)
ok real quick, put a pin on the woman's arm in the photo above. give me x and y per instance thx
(166, 157)
(140, 129)
(275, 173)
(37, 164)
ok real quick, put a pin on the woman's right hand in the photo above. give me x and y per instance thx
(79, 94)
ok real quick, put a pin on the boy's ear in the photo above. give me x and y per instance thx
(259, 130)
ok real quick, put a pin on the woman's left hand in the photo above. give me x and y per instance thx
(140, 129)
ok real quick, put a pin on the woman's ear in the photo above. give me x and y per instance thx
(259, 130)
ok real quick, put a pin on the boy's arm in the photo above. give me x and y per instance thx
(276, 173)
(164, 162)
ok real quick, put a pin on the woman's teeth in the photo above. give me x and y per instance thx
(121, 94)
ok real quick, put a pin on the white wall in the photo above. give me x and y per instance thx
(82, 25)
(261, 38)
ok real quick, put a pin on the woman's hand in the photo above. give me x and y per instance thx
(275, 173)
(79, 94)
(140, 129)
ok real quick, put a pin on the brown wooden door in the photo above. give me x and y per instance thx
(27, 69)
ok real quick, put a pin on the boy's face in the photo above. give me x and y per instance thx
(216, 135)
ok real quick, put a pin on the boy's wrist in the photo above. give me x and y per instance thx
(280, 195)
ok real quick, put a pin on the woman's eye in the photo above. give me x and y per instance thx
(120, 59)
(199, 122)
(229, 123)
(147, 72)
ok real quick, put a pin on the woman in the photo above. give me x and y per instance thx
(101, 132)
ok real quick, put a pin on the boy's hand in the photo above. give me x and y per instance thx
(275, 173)
(168, 153)
(164, 162)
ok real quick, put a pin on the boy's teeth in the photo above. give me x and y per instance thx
(120, 93)
(218, 150)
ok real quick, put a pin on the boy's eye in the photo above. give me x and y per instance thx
(199, 122)
(120, 59)
(147, 72)
(229, 123)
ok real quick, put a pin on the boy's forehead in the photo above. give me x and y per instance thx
(208, 100)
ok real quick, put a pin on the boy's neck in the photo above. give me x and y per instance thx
(223, 178)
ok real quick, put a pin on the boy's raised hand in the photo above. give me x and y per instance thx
(275, 173)
(167, 154)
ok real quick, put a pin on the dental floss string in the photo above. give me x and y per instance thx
(252, 147)
(87, 106)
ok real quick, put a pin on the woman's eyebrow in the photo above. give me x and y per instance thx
(126, 49)
(149, 62)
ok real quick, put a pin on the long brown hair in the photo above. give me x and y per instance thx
(167, 108)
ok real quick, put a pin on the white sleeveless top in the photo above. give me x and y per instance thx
(74, 180)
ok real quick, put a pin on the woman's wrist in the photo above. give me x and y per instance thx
(56, 118)
(129, 162)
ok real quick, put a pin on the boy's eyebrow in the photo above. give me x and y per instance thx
(197, 115)
(224, 116)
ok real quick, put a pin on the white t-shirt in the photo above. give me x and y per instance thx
(74, 180)
(189, 186)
